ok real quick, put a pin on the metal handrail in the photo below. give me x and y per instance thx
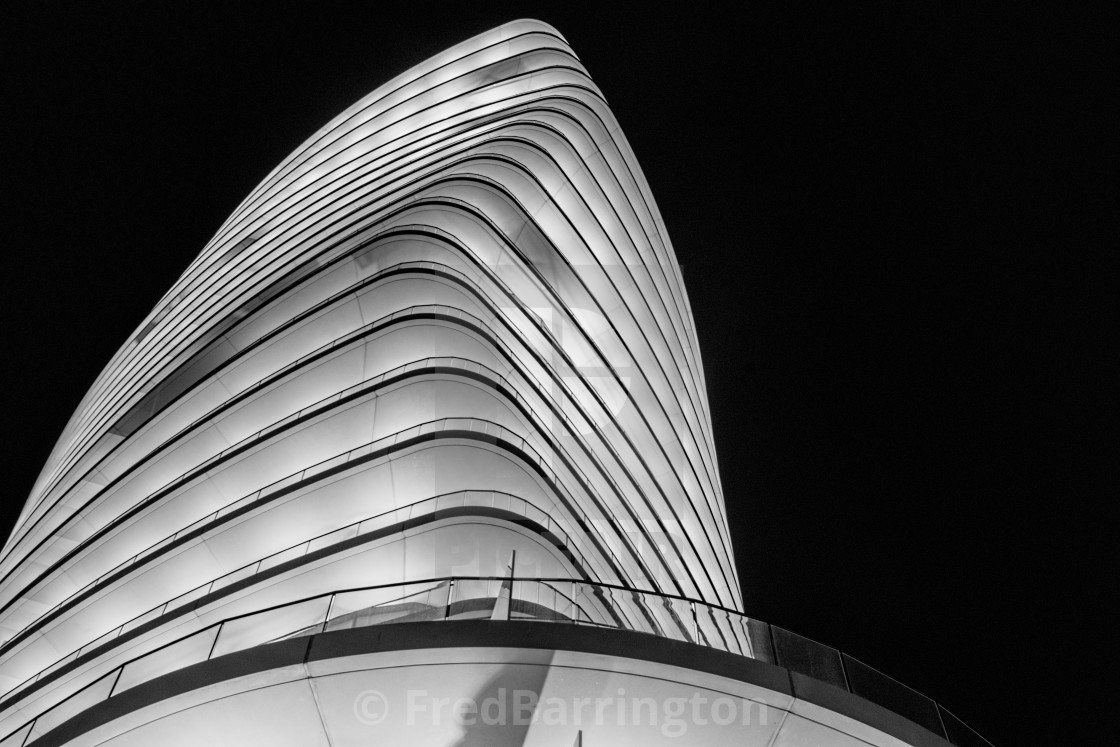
(585, 603)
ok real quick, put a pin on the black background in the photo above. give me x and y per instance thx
(881, 213)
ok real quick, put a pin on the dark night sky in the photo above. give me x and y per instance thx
(863, 202)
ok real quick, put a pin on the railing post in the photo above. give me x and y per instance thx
(327, 616)
(450, 598)
(940, 719)
(695, 624)
(214, 645)
(117, 679)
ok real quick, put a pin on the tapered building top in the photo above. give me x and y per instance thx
(439, 364)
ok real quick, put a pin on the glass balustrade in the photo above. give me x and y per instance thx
(561, 601)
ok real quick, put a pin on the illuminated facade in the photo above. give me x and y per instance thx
(424, 424)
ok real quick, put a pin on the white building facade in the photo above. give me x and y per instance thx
(418, 447)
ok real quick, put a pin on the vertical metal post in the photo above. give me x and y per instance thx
(214, 645)
(503, 602)
(28, 734)
(116, 679)
(941, 720)
(327, 616)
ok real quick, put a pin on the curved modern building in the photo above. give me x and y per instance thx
(418, 447)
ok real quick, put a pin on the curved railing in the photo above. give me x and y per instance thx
(557, 600)
(315, 408)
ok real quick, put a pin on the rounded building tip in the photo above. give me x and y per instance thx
(539, 24)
